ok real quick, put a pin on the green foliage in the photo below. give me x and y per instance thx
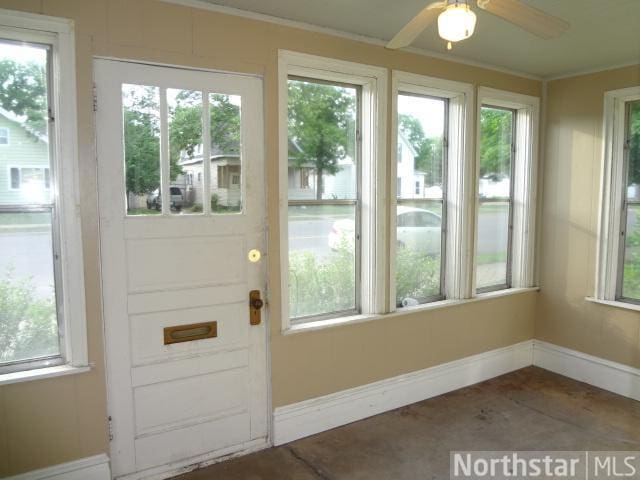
(634, 143)
(417, 275)
(322, 124)
(142, 140)
(28, 326)
(24, 91)
(319, 286)
(495, 142)
(429, 151)
(186, 125)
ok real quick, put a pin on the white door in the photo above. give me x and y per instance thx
(187, 373)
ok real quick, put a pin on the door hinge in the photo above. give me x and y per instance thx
(110, 428)
(358, 135)
(95, 98)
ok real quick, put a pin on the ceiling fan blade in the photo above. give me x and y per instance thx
(417, 24)
(526, 17)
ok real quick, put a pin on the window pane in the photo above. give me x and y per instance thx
(420, 192)
(321, 259)
(226, 151)
(323, 171)
(25, 148)
(28, 326)
(633, 178)
(494, 212)
(322, 139)
(141, 119)
(631, 268)
(185, 149)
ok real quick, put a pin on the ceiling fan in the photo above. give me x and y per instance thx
(456, 20)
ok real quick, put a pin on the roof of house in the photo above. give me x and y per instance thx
(21, 120)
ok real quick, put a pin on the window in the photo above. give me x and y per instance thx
(4, 136)
(430, 230)
(34, 179)
(506, 165)
(41, 326)
(495, 191)
(333, 220)
(618, 277)
(324, 253)
(421, 218)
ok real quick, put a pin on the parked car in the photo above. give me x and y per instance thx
(154, 200)
(417, 229)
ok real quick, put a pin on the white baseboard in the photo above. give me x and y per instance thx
(308, 417)
(90, 468)
(605, 374)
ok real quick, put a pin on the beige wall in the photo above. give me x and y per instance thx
(58, 420)
(572, 170)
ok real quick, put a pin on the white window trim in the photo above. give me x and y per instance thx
(460, 187)
(59, 33)
(525, 173)
(20, 167)
(373, 81)
(612, 190)
(7, 136)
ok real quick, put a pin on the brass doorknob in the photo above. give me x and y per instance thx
(257, 303)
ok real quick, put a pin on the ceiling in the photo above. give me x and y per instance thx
(603, 33)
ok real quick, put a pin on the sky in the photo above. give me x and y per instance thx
(15, 51)
(428, 111)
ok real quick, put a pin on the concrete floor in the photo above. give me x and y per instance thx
(530, 409)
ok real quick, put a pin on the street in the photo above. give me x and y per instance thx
(30, 257)
(312, 234)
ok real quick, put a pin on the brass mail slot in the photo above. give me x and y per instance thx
(187, 333)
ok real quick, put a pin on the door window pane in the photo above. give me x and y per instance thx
(185, 150)
(226, 153)
(631, 266)
(141, 121)
(420, 199)
(494, 212)
(323, 199)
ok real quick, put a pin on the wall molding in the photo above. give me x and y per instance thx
(308, 417)
(612, 376)
(316, 415)
(89, 468)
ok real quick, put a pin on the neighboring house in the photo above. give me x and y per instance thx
(226, 175)
(409, 181)
(24, 163)
(225, 178)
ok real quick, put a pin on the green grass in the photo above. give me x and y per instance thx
(493, 257)
(142, 211)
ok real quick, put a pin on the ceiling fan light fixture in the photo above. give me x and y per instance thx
(457, 22)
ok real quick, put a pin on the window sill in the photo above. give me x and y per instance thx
(41, 373)
(615, 303)
(353, 319)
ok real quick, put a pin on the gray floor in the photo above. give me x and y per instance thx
(530, 409)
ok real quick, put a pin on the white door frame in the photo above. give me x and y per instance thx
(180, 467)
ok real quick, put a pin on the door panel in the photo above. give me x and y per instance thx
(176, 404)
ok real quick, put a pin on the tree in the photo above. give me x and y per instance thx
(495, 143)
(186, 124)
(429, 151)
(24, 92)
(320, 119)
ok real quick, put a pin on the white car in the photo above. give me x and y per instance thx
(418, 229)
